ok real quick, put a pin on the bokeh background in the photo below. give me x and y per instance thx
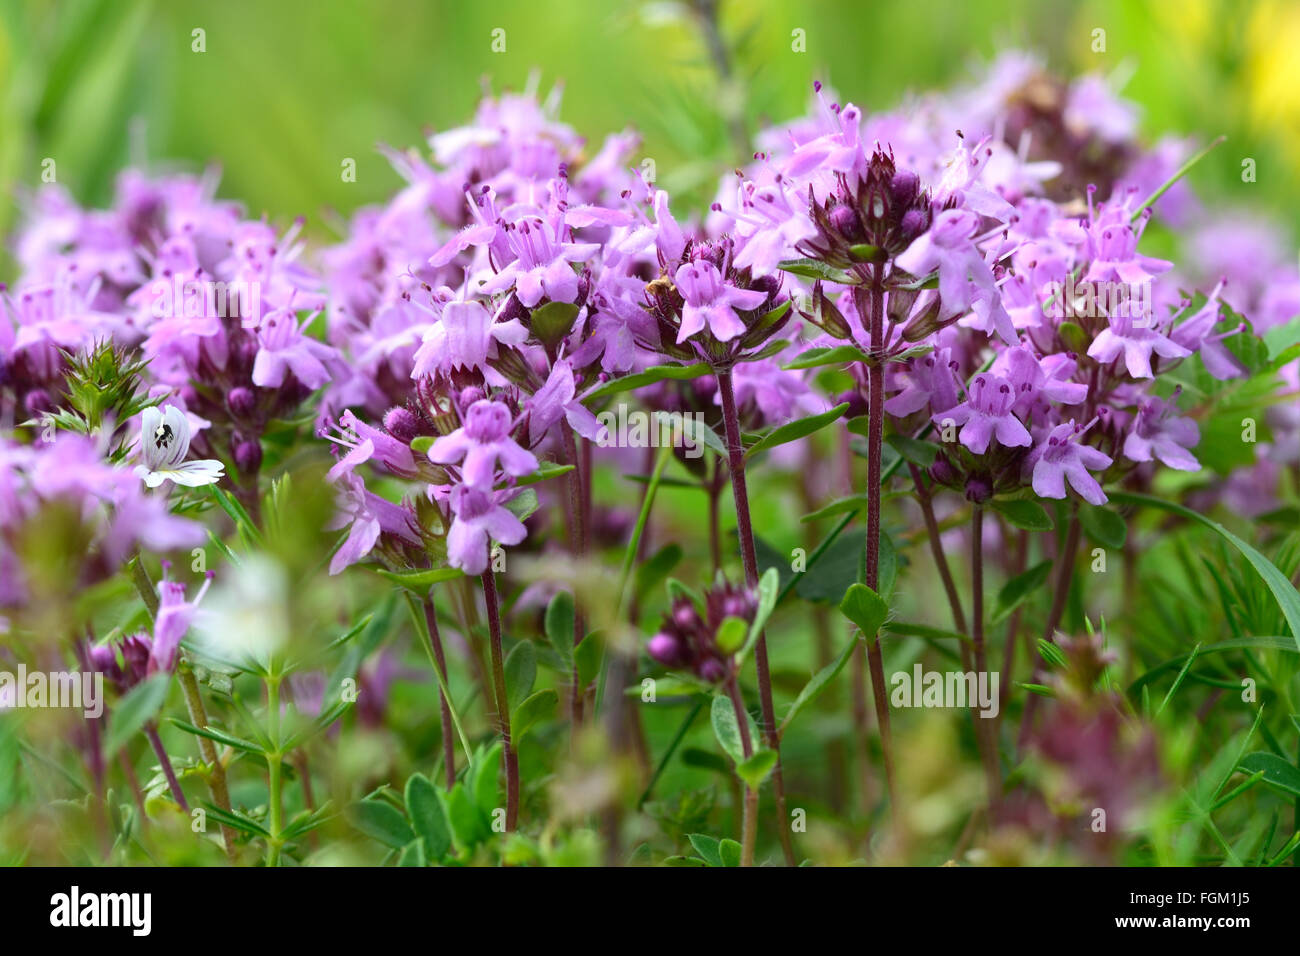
(286, 90)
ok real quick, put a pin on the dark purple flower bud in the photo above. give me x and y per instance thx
(913, 224)
(903, 188)
(978, 490)
(38, 401)
(684, 615)
(402, 424)
(241, 401)
(667, 650)
(248, 456)
(711, 669)
(942, 471)
(857, 403)
(845, 220)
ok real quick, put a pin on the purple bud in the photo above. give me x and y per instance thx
(667, 650)
(241, 401)
(903, 188)
(845, 220)
(942, 471)
(978, 490)
(38, 401)
(711, 669)
(248, 456)
(912, 224)
(401, 424)
(857, 403)
(685, 616)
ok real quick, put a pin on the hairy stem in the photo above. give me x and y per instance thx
(440, 661)
(509, 756)
(987, 745)
(871, 301)
(151, 731)
(749, 828)
(748, 555)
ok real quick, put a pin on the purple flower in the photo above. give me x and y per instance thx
(1037, 381)
(555, 400)
(1136, 343)
(466, 336)
(369, 517)
(986, 414)
(1159, 433)
(478, 517)
(712, 302)
(947, 246)
(484, 444)
(173, 620)
(542, 265)
(1062, 456)
(365, 443)
(282, 348)
(929, 381)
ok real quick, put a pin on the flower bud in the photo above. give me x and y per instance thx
(978, 489)
(248, 456)
(402, 424)
(903, 188)
(241, 401)
(667, 649)
(711, 669)
(942, 472)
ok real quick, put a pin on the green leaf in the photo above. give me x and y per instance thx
(755, 770)
(237, 821)
(140, 705)
(769, 586)
(1051, 653)
(552, 321)
(919, 453)
(220, 736)
(1103, 526)
(428, 818)
(587, 657)
(731, 633)
(799, 428)
(1284, 592)
(725, 728)
(520, 672)
(1019, 589)
(1285, 644)
(545, 472)
(816, 269)
(656, 568)
(531, 711)
(1277, 771)
(820, 681)
(729, 850)
(1024, 513)
(707, 847)
(659, 373)
(382, 822)
(865, 608)
(413, 853)
(559, 627)
(420, 581)
(523, 504)
(468, 825)
(486, 780)
(832, 355)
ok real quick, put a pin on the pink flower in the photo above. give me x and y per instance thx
(711, 302)
(482, 445)
(1062, 456)
(478, 517)
(986, 414)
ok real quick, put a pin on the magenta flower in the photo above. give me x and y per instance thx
(543, 263)
(555, 400)
(1136, 343)
(929, 382)
(466, 336)
(1063, 457)
(986, 414)
(368, 516)
(1159, 433)
(478, 517)
(947, 246)
(283, 348)
(711, 302)
(173, 620)
(482, 445)
(365, 443)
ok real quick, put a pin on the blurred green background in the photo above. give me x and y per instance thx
(286, 90)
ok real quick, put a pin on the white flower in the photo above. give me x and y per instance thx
(164, 443)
